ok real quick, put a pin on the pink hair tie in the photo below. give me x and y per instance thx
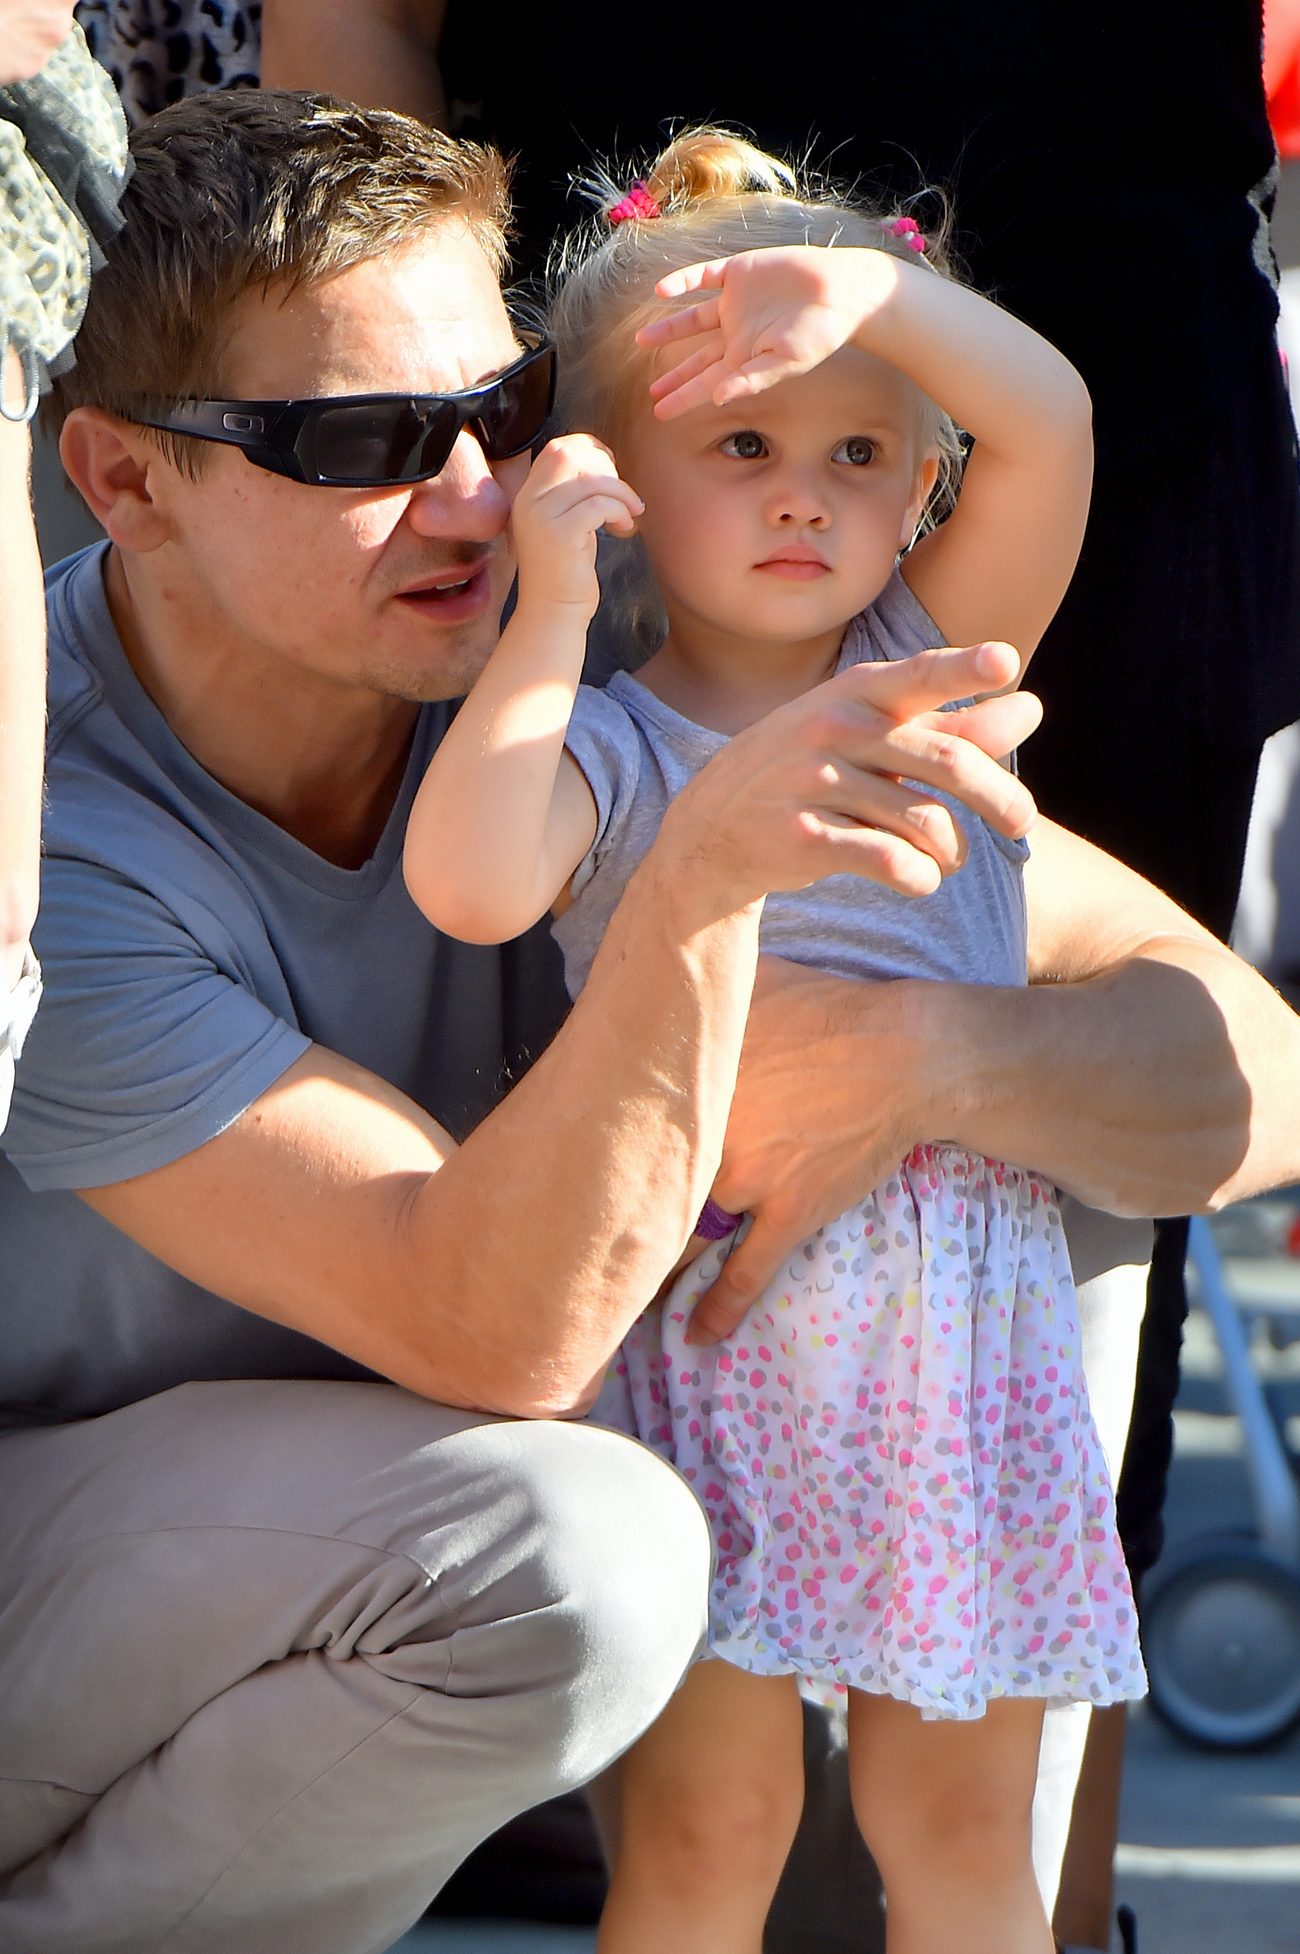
(638, 203)
(908, 229)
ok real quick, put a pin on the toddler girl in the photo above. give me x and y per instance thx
(895, 1451)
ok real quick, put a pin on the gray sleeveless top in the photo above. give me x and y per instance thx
(637, 753)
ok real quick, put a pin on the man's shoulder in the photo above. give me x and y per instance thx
(127, 848)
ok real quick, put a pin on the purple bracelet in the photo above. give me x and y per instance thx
(715, 1222)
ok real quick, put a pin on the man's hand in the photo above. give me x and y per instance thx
(835, 782)
(573, 490)
(829, 1099)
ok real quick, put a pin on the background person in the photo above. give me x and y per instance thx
(378, 52)
(62, 155)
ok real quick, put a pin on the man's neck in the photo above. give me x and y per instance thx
(321, 761)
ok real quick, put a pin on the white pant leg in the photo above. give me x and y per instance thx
(1111, 1259)
(17, 1009)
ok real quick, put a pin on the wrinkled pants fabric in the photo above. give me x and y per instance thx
(274, 1657)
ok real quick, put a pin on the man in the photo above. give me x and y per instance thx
(280, 1642)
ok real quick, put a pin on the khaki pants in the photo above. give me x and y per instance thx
(274, 1657)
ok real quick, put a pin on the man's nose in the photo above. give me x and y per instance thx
(464, 499)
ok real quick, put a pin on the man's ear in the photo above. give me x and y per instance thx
(110, 463)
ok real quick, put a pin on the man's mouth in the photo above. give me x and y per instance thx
(449, 592)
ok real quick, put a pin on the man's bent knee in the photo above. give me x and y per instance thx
(620, 1578)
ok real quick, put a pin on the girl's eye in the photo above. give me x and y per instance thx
(857, 450)
(746, 445)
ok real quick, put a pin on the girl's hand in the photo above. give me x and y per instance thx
(572, 491)
(777, 313)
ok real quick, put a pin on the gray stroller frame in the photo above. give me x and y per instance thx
(1221, 1614)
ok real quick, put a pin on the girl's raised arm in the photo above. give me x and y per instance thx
(999, 566)
(503, 815)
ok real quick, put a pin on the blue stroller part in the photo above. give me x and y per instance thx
(1221, 1614)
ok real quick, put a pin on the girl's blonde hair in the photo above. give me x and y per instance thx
(717, 194)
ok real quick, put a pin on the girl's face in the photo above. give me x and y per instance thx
(780, 518)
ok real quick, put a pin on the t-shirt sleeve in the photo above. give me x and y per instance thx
(146, 1044)
(604, 742)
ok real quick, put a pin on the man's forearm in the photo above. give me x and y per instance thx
(1146, 1070)
(1162, 1072)
(1166, 1086)
(616, 1134)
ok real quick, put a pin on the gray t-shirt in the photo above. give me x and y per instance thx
(192, 951)
(637, 753)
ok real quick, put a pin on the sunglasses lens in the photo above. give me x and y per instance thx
(514, 412)
(387, 440)
(383, 441)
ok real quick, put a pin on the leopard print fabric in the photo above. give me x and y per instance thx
(159, 50)
(62, 167)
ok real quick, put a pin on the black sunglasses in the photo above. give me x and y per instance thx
(377, 440)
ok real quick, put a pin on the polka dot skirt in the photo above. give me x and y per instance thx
(896, 1454)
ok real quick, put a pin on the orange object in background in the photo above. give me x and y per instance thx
(1282, 72)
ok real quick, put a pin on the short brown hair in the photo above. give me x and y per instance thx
(235, 190)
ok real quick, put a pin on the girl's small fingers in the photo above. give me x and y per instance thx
(696, 392)
(754, 377)
(598, 502)
(619, 517)
(692, 278)
(671, 326)
(706, 356)
(603, 508)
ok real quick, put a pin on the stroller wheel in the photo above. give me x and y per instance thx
(1221, 1636)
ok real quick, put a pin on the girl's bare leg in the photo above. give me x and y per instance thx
(945, 1808)
(708, 1805)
